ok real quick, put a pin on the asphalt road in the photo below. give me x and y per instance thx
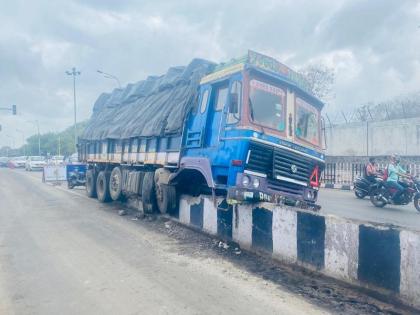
(63, 253)
(344, 204)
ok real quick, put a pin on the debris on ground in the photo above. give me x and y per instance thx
(223, 245)
(168, 224)
(237, 251)
(140, 216)
(122, 212)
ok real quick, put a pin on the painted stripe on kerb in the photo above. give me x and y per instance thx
(410, 266)
(379, 257)
(242, 225)
(262, 229)
(311, 239)
(196, 214)
(341, 248)
(224, 220)
(209, 216)
(284, 234)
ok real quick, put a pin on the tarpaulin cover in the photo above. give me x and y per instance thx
(156, 106)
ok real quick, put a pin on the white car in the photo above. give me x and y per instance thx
(17, 162)
(35, 163)
(56, 160)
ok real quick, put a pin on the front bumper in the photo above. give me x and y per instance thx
(281, 193)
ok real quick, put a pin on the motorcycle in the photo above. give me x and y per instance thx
(76, 175)
(363, 187)
(381, 194)
(76, 179)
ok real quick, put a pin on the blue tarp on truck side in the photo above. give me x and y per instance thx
(154, 107)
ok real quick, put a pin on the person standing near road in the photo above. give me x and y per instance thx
(371, 170)
(394, 173)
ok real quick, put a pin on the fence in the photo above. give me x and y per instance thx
(345, 172)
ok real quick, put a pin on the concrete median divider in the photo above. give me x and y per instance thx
(382, 258)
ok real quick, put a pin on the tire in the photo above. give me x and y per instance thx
(115, 184)
(90, 184)
(166, 198)
(148, 195)
(376, 200)
(417, 202)
(102, 186)
(359, 194)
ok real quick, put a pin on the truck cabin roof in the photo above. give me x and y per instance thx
(265, 65)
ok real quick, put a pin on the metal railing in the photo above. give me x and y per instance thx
(345, 172)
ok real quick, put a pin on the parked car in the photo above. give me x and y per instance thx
(3, 161)
(35, 163)
(56, 160)
(17, 162)
(72, 159)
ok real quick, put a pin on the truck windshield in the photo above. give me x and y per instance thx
(307, 122)
(267, 105)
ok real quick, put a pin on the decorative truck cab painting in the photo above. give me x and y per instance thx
(248, 129)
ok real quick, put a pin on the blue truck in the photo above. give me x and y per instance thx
(248, 129)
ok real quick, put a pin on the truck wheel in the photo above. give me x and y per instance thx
(148, 193)
(90, 184)
(115, 184)
(417, 202)
(166, 198)
(102, 186)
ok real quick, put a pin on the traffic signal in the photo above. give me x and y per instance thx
(14, 109)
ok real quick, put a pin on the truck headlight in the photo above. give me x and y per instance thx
(245, 180)
(256, 183)
(310, 195)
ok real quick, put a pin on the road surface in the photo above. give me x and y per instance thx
(63, 253)
(344, 204)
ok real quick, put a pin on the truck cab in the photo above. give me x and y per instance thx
(255, 133)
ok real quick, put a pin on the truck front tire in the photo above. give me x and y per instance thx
(90, 184)
(102, 186)
(115, 184)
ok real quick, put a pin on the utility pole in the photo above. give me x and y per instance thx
(74, 73)
(59, 145)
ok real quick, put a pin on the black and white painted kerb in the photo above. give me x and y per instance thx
(375, 256)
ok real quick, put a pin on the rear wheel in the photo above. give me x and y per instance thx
(166, 197)
(148, 196)
(417, 201)
(102, 187)
(90, 184)
(115, 184)
(377, 198)
(359, 194)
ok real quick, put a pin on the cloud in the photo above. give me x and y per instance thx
(372, 45)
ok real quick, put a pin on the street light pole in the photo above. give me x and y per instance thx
(110, 76)
(74, 73)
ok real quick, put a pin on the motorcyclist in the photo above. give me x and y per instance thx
(395, 171)
(371, 170)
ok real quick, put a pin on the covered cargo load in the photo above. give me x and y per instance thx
(154, 107)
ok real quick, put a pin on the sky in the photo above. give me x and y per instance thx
(373, 46)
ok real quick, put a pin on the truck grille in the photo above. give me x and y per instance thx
(292, 165)
(277, 162)
(260, 158)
